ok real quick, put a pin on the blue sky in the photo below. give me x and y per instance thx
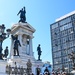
(39, 14)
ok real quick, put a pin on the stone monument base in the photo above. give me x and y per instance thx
(3, 67)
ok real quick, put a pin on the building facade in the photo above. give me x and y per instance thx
(63, 42)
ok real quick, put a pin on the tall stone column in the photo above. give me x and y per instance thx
(30, 46)
(20, 39)
(12, 46)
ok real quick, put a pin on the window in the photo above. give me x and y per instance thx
(64, 52)
(70, 37)
(55, 36)
(70, 31)
(56, 67)
(54, 25)
(64, 46)
(64, 21)
(73, 17)
(70, 50)
(65, 59)
(64, 33)
(56, 42)
(71, 44)
(64, 39)
(59, 47)
(66, 26)
(54, 49)
(57, 54)
(57, 61)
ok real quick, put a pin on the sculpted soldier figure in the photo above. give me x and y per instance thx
(6, 52)
(22, 13)
(16, 44)
(39, 51)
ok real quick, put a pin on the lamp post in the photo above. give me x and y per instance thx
(3, 37)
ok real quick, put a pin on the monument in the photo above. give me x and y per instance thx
(21, 49)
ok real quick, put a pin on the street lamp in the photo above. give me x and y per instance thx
(3, 37)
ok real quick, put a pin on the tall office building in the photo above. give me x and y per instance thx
(63, 42)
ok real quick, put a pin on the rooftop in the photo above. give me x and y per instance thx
(67, 15)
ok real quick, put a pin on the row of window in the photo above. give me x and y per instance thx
(66, 39)
(57, 67)
(66, 26)
(62, 60)
(63, 46)
(66, 67)
(67, 32)
(62, 28)
(64, 52)
(64, 21)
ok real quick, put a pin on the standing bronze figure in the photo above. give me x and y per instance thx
(39, 51)
(6, 52)
(22, 13)
(16, 44)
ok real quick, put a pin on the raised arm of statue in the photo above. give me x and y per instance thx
(19, 43)
(19, 12)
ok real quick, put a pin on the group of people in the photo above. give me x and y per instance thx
(46, 71)
(58, 73)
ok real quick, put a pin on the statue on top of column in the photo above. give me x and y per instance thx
(16, 44)
(22, 13)
(39, 51)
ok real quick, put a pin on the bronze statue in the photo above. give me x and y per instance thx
(39, 51)
(16, 44)
(6, 52)
(22, 13)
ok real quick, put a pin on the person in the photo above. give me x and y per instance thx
(22, 13)
(29, 67)
(38, 70)
(16, 44)
(6, 52)
(32, 74)
(53, 73)
(39, 51)
(46, 71)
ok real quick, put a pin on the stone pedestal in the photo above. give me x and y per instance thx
(24, 31)
(3, 67)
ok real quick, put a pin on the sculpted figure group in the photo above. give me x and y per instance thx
(22, 13)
